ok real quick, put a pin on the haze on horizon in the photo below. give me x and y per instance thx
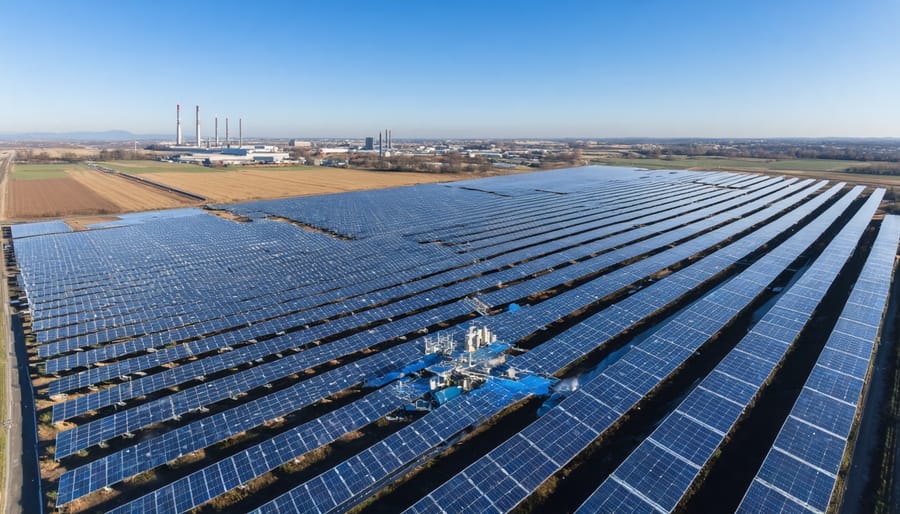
(466, 69)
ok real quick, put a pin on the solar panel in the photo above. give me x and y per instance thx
(802, 466)
(698, 426)
(181, 303)
(557, 438)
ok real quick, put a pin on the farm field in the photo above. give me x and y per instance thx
(53, 197)
(40, 171)
(57, 190)
(53, 190)
(601, 339)
(142, 167)
(234, 185)
(127, 195)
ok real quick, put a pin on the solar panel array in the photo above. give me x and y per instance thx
(167, 333)
(514, 325)
(39, 229)
(801, 469)
(686, 440)
(508, 474)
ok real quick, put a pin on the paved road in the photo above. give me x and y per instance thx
(6, 159)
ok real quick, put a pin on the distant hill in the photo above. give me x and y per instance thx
(109, 135)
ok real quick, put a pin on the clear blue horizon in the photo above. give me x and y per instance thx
(464, 69)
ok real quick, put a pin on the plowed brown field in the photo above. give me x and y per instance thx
(234, 186)
(128, 195)
(53, 197)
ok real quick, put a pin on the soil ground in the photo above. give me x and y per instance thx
(53, 197)
(127, 195)
(63, 190)
(256, 184)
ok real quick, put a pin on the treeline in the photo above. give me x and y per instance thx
(453, 162)
(876, 169)
(773, 150)
(30, 156)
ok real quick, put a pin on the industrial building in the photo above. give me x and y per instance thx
(213, 153)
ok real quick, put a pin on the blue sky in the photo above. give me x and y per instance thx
(455, 69)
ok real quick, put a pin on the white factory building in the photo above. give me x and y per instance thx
(256, 154)
(218, 154)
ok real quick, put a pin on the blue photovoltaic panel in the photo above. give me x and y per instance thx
(801, 468)
(694, 431)
(42, 228)
(597, 404)
(519, 326)
(164, 302)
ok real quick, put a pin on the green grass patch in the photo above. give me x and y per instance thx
(149, 167)
(280, 168)
(143, 167)
(41, 171)
(713, 163)
(816, 165)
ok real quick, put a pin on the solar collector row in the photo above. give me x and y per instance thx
(370, 252)
(88, 357)
(157, 496)
(118, 333)
(661, 470)
(313, 336)
(263, 457)
(800, 471)
(557, 437)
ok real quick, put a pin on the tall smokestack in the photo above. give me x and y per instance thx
(380, 152)
(240, 132)
(217, 131)
(390, 140)
(227, 142)
(178, 139)
(198, 126)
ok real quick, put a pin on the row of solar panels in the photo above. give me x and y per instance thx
(800, 472)
(86, 326)
(526, 463)
(684, 443)
(555, 439)
(200, 368)
(360, 485)
(553, 307)
(550, 261)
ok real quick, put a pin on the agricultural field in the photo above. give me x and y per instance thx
(40, 171)
(53, 197)
(235, 184)
(59, 190)
(142, 167)
(54, 190)
(578, 340)
(748, 164)
(127, 195)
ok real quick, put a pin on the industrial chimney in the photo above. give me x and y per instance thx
(178, 140)
(198, 126)
(217, 130)
(227, 141)
(240, 132)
